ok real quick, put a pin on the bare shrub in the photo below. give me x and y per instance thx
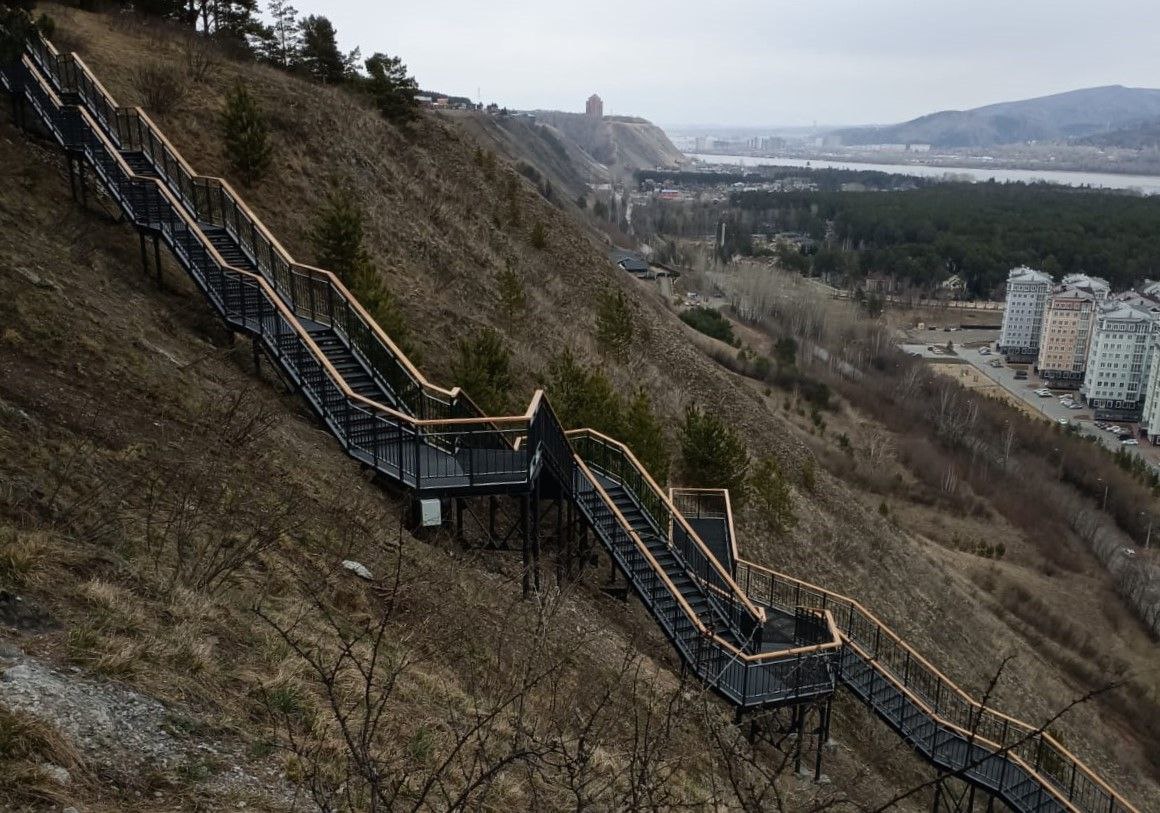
(200, 57)
(160, 87)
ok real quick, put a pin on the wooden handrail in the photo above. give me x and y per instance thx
(259, 280)
(1012, 722)
(727, 513)
(281, 250)
(754, 610)
(660, 571)
(758, 612)
(974, 737)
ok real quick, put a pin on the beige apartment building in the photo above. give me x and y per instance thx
(1068, 322)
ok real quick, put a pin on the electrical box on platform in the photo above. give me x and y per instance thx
(430, 513)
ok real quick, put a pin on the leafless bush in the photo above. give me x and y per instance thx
(68, 40)
(160, 86)
(200, 56)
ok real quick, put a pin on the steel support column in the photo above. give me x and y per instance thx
(800, 713)
(525, 522)
(157, 260)
(823, 735)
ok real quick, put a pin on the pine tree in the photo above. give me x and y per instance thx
(392, 89)
(582, 397)
(231, 20)
(320, 55)
(644, 433)
(338, 243)
(482, 367)
(283, 44)
(16, 28)
(539, 236)
(512, 298)
(615, 325)
(772, 497)
(246, 135)
(712, 454)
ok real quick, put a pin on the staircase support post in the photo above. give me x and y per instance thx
(459, 520)
(72, 174)
(561, 546)
(536, 538)
(823, 736)
(157, 260)
(800, 712)
(257, 356)
(144, 256)
(937, 794)
(492, 507)
(83, 185)
(525, 521)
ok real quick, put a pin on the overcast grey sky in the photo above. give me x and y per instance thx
(759, 61)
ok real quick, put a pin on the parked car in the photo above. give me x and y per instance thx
(1043, 393)
(996, 362)
(984, 351)
(1129, 442)
(1062, 421)
(1116, 430)
(1100, 425)
(1074, 405)
(1020, 375)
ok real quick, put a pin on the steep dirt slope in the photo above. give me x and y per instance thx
(619, 142)
(552, 153)
(440, 231)
(140, 450)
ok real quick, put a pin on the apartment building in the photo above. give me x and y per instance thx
(1065, 338)
(1027, 294)
(1119, 362)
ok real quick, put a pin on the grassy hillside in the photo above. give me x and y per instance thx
(118, 397)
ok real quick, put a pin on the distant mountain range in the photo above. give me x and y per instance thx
(1087, 114)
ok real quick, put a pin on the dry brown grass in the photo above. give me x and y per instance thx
(433, 233)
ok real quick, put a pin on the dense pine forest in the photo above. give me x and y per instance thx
(980, 230)
(923, 235)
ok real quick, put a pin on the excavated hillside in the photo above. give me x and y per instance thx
(619, 142)
(551, 152)
(116, 394)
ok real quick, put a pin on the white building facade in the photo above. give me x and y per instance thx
(1150, 419)
(1120, 360)
(1027, 294)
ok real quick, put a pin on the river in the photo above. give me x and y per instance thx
(1145, 184)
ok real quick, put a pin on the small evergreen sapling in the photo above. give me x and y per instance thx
(246, 135)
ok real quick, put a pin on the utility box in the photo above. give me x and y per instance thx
(430, 513)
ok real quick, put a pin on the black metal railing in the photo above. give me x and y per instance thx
(746, 681)
(872, 643)
(613, 459)
(443, 443)
(311, 293)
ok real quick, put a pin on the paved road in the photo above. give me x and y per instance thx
(1024, 390)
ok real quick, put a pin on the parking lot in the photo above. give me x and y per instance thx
(966, 344)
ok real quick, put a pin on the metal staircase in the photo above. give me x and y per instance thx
(755, 637)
